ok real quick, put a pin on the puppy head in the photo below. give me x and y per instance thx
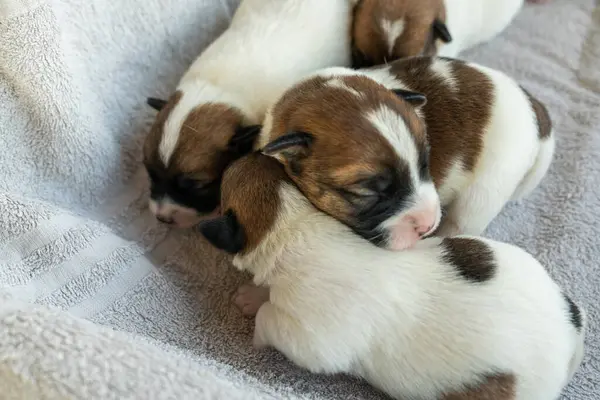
(188, 148)
(359, 152)
(250, 204)
(386, 30)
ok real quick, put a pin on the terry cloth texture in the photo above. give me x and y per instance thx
(101, 301)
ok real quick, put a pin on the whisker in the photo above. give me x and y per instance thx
(189, 127)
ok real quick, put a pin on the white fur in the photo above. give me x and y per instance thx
(472, 22)
(443, 69)
(269, 45)
(538, 171)
(392, 127)
(338, 83)
(393, 30)
(406, 322)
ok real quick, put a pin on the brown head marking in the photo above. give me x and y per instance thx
(322, 133)
(386, 30)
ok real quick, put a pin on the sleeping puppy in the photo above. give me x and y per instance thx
(449, 135)
(455, 318)
(213, 116)
(386, 30)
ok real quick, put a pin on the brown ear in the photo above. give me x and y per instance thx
(243, 139)
(440, 31)
(416, 99)
(289, 147)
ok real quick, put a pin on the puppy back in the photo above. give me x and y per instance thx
(460, 100)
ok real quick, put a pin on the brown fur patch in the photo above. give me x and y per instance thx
(201, 150)
(370, 40)
(472, 259)
(543, 120)
(347, 147)
(455, 116)
(497, 387)
(250, 189)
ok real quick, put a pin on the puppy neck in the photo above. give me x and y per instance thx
(288, 233)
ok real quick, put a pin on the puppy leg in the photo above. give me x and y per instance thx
(249, 297)
(474, 208)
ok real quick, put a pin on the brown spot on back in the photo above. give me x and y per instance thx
(250, 188)
(542, 117)
(347, 147)
(473, 259)
(456, 115)
(370, 40)
(496, 387)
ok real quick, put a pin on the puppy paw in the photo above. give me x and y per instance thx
(249, 297)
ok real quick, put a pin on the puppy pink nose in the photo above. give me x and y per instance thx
(422, 229)
(424, 221)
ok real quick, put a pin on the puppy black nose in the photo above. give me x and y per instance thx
(164, 220)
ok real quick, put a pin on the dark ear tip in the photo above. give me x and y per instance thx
(291, 139)
(415, 98)
(225, 233)
(441, 30)
(156, 103)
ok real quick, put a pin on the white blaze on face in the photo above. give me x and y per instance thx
(173, 125)
(423, 214)
(393, 30)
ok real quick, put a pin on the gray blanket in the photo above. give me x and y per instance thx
(97, 300)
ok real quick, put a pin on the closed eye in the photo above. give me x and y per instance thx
(424, 164)
(187, 183)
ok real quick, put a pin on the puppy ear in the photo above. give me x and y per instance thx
(416, 99)
(289, 147)
(440, 30)
(243, 139)
(224, 232)
(155, 103)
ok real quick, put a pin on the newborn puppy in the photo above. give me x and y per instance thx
(453, 318)
(386, 30)
(450, 134)
(213, 116)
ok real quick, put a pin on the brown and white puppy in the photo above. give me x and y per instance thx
(386, 30)
(455, 319)
(214, 115)
(456, 135)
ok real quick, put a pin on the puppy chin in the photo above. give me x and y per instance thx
(402, 237)
(180, 216)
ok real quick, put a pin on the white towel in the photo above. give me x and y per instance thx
(75, 234)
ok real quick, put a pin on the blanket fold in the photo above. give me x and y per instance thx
(99, 300)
